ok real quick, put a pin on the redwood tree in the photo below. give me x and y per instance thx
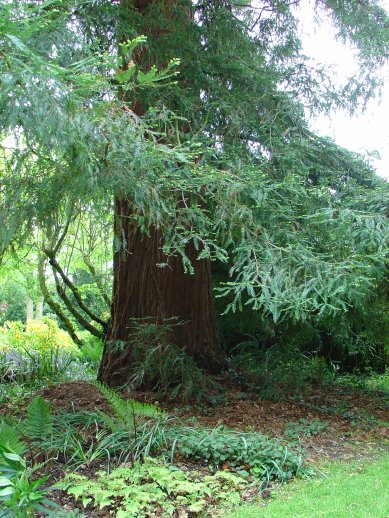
(208, 158)
(147, 283)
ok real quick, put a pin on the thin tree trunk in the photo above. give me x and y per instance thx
(70, 307)
(39, 308)
(56, 308)
(29, 307)
(67, 282)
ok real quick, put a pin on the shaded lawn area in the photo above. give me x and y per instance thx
(358, 489)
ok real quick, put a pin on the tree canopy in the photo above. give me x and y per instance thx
(202, 126)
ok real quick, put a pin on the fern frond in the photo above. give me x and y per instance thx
(122, 411)
(39, 424)
(115, 425)
(145, 409)
(10, 439)
(127, 410)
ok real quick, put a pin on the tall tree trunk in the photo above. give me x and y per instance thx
(39, 308)
(144, 289)
(29, 307)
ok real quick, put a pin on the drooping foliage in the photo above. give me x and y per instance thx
(220, 153)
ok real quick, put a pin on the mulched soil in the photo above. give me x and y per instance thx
(73, 396)
(353, 416)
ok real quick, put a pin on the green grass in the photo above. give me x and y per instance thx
(374, 382)
(351, 490)
(379, 381)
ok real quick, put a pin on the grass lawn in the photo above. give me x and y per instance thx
(351, 490)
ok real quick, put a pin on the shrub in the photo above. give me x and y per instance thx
(12, 301)
(37, 335)
(40, 350)
(91, 350)
(278, 370)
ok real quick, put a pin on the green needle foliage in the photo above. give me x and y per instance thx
(300, 222)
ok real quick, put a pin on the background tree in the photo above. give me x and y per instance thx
(19, 282)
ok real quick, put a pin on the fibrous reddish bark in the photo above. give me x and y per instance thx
(148, 284)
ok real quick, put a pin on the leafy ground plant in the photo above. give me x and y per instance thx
(373, 382)
(295, 429)
(20, 496)
(145, 488)
(246, 452)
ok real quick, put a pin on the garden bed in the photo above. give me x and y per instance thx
(335, 422)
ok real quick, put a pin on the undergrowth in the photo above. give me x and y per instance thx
(294, 430)
(128, 437)
(144, 487)
(370, 382)
(162, 366)
(40, 352)
(135, 455)
(21, 494)
(277, 371)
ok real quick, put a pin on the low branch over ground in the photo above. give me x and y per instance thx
(54, 305)
(77, 315)
(57, 268)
